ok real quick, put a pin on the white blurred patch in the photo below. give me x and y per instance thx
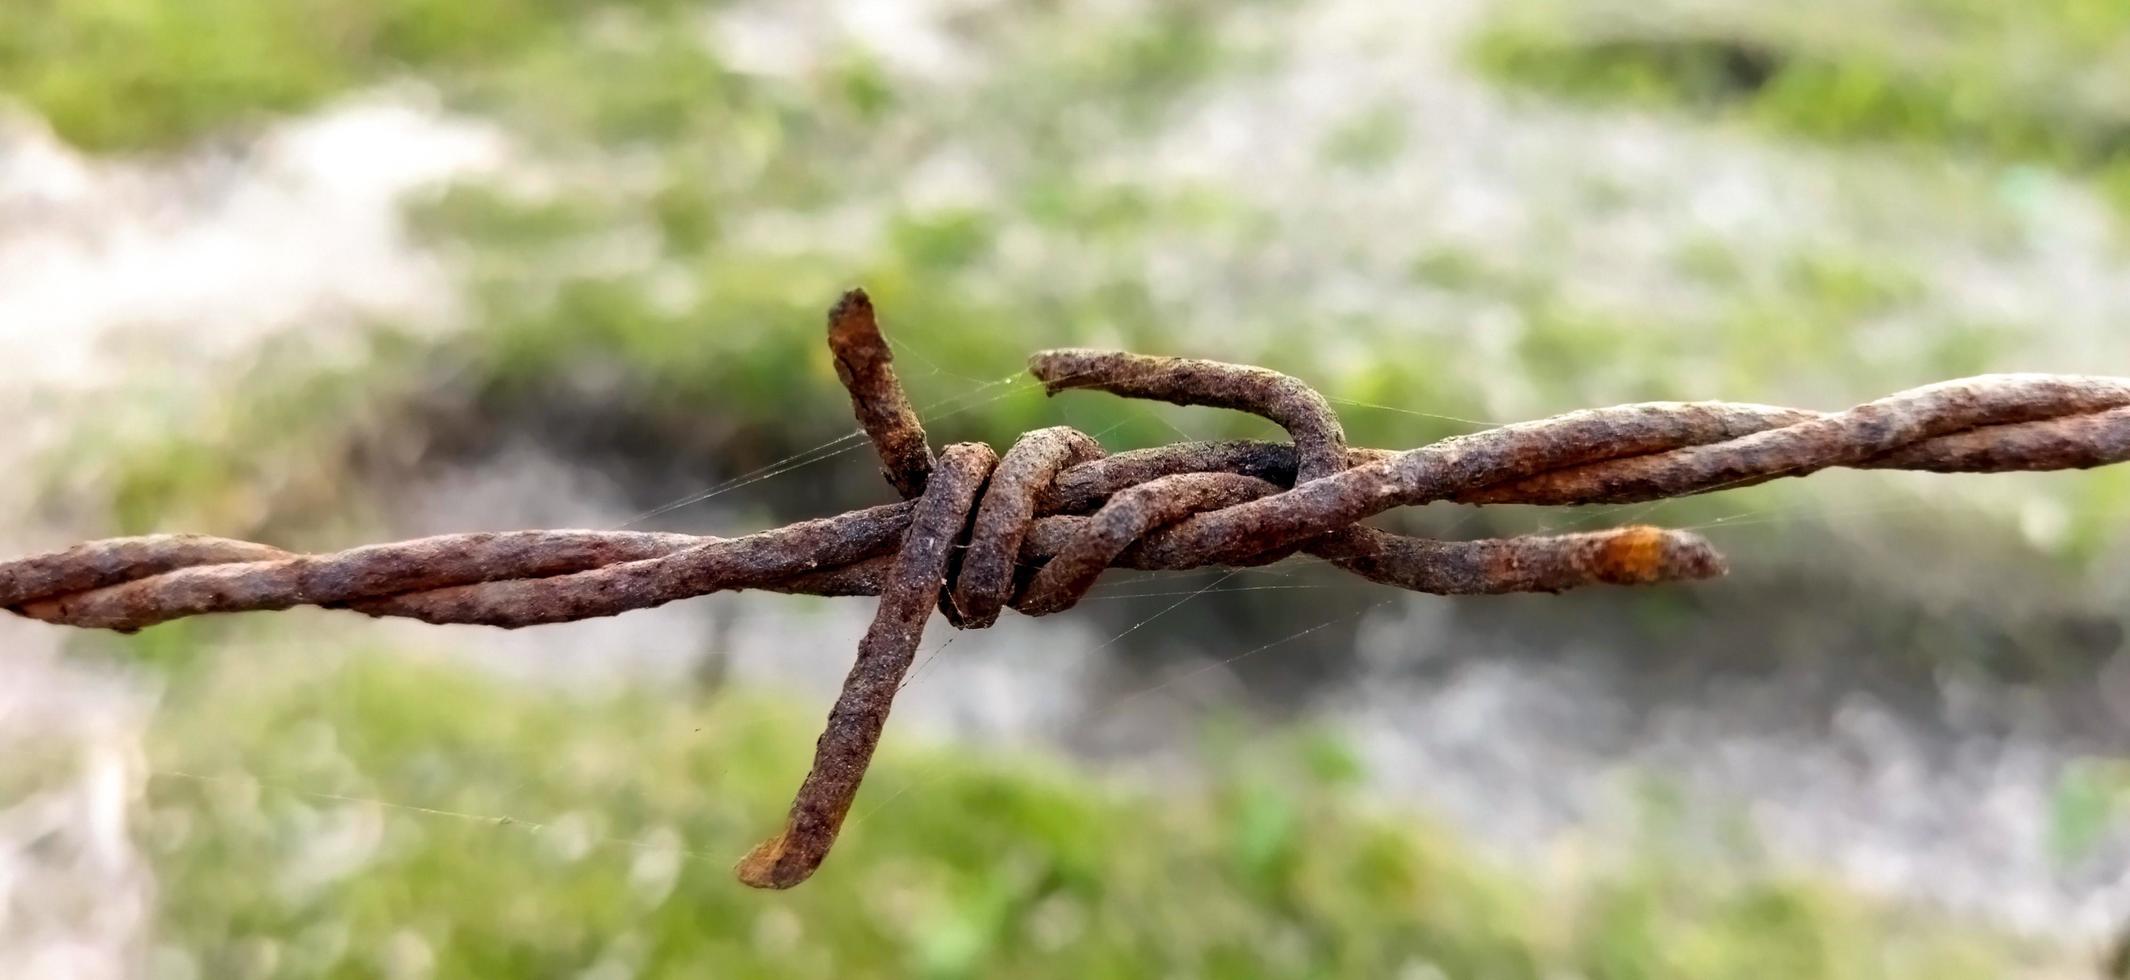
(111, 265)
(75, 893)
(202, 255)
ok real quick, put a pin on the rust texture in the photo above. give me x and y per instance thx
(1487, 566)
(1518, 452)
(1035, 530)
(985, 582)
(1531, 563)
(1093, 544)
(1319, 440)
(867, 369)
(1084, 487)
(100, 564)
(1636, 555)
(884, 655)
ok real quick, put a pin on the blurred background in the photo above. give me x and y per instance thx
(325, 272)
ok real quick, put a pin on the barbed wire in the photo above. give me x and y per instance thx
(1034, 529)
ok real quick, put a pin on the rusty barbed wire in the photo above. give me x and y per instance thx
(1034, 530)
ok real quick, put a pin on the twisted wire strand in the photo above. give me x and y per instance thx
(976, 533)
(1903, 422)
(1626, 453)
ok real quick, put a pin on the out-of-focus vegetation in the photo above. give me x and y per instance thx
(681, 214)
(653, 264)
(685, 213)
(2046, 81)
(568, 835)
(145, 75)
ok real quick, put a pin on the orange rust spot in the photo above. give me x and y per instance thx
(1632, 556)
(48, 610)
(760, 868)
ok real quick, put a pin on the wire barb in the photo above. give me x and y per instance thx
(1035, 530)
(884, 655)
(866, 367)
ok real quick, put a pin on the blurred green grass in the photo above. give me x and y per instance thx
(146, 75)
(688, 221)
(740, 202)
(701, 318)
(558, 831)
(2045, 82)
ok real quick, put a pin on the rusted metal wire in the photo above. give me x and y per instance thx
(1035, 530)
(1319, 440)
(884, 655)
(985, 581)
(867, 369)
(1903, 422)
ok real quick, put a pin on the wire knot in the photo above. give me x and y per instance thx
(1034, 529)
